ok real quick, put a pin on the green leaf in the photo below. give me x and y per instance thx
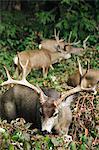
(83, 147)
(11, 147)
(73, 146)
(83, 138)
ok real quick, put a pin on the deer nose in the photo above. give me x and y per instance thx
(45, 132)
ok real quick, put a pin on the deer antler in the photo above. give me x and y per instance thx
(73, 43)
(73, 91)
(68, 93)
(57, 37)
(23, 81)
(81, 71)
(84, 42)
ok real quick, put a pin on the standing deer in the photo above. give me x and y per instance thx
(46, 112)
(39, 59)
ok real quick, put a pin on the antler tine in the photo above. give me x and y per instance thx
(8, 76)
(24, 68)
(56, 37)
(73, 43)
(21, 82)
(68, 93)
(55, 32)
(69, 36)
(75, 39)
(86, 70)
(58, 34)
(84, 42)
(80, 68)
(76, 43)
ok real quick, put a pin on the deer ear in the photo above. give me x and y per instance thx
(43, 97)
(55, 104)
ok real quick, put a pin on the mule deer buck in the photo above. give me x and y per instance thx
(87, 79)
(46, 112)
(52, 45)
(39, 59)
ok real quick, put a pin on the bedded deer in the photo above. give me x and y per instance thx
(86, 79)
(46, 112)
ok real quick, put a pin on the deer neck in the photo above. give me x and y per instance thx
(55, 56)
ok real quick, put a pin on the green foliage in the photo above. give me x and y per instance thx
(16, 34)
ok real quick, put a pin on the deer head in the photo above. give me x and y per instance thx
(70, 47)
(53, 44)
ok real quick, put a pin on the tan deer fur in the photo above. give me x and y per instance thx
(73, 50)
(90, 79)
(39, 59)
(51, 45)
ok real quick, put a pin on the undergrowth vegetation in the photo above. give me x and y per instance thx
(18, 30)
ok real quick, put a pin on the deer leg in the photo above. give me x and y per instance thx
(51, 67)
(67, 138)
(44, 72)
(17, 71)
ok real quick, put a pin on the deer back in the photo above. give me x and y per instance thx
(37, 58)
(51, 45)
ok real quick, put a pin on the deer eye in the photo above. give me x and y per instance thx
(55, 114)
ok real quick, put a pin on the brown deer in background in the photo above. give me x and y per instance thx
(52, 45)
(87, 79)
(30, 102)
